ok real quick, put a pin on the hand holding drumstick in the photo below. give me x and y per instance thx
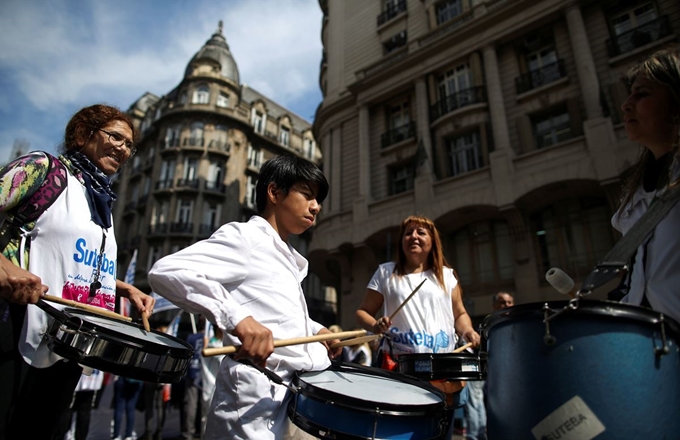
(383, 324)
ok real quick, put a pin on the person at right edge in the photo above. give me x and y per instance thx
(651, 116)
(434, 317)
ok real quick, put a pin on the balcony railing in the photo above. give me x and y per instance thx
(392, 10)
(193, 142)
(473, 95)
(544, 75)
(158, 228)
(164, 184)
(170, 143)
(398, 134)
(220, 146)
(204, 230)
(215, 186)
(181, 228)
(640, 36)
(557, 134)
(187, 183)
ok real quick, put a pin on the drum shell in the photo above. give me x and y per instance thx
(327, 414)
(436, 366)
(73, 337)
(603, 352)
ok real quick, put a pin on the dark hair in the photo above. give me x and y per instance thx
(435, 259)
(94, 117)
(662, 67)
(284, 172)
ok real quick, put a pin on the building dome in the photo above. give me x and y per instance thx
(216, 50)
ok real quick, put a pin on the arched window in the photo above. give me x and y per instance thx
(201, 95)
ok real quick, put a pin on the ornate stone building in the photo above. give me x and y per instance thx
(498, 119)
(196, 166)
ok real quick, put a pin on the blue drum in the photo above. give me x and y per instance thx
(582, 369)
(343, 402)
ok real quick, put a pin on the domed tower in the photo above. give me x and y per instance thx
(214, 58)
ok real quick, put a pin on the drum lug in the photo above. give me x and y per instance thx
(664, 349)
(548, 339)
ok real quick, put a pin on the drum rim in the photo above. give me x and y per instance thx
(316, 393)
(609, 309)
(109, 334)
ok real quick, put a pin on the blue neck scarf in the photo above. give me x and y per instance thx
(98, 188)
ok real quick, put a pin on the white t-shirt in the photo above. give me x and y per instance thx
(426, 323)
(656, 270)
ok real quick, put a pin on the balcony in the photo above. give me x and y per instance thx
(406, 131)
(217, 187)
(221, 146)
(193, 142)
(640, 36)
(539, 77)
(170, 143)
(473, 95)
(187, 184)
(205, 230)
(158, 229)
(181, 228)
(392, 10)
(164, 184)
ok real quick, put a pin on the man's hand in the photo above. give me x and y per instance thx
(332, 352)
(257, 341)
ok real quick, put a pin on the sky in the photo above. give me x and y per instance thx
(57, 56)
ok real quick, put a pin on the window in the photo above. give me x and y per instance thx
(183, 97)
(552, 128)
(391, 8)
(134, 192)
(308, 148)
(215, 175)
(394, 43)
(465, 153)
(219, 141)
(284, 137)
(196, 135)
(159, 215)
(398, 123)
(482, 255)
(147, 186)
(632, 18)
(211, 215)
(448, 10)
(154, 255)
(399, 115)
(172, 137)
(190, 169)
(223, 100)
(573, 235)
(251, 186)
(151, 155)
(401, 178)
(201, 95)
(258, 121)
(454, 80)
(254, 157)
(167, 174)
(184, 211)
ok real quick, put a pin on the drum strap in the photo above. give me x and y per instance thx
(618, 257)
(33, 205)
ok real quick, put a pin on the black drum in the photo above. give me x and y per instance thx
(438, 366)
(117, 346)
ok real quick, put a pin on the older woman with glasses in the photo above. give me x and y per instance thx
(70, 249)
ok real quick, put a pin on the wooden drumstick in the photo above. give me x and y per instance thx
(462, 348)
(407, 299)
(145, 322)
(89, 308)
(231, 349)
(356, 341)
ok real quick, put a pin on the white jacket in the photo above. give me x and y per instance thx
(245, 269)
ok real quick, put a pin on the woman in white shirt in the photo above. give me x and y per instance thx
(651, 116)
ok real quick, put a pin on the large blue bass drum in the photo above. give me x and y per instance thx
(582, 369)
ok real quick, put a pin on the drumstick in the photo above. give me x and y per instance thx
(89, 308)
(463, 348)
(407, 299)
(145, 322)
(231, 349)
(356, 341)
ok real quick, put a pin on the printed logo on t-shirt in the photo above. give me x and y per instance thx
(421, 338)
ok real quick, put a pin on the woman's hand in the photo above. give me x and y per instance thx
(19, 286)
(472, 337)
(382, 325)
(143, 302)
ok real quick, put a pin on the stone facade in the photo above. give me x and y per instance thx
(498, 119)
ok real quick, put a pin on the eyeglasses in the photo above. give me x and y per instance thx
(118, 141)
